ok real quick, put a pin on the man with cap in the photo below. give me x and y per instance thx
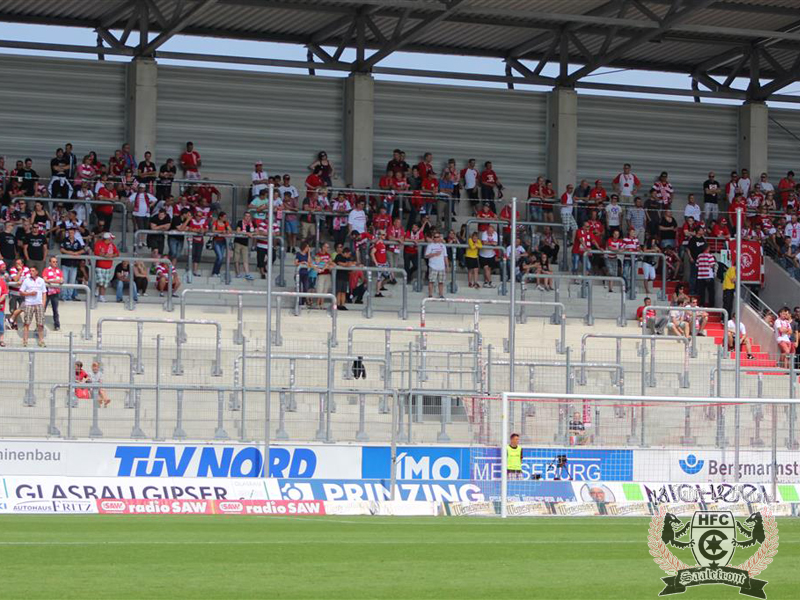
(103, 269)
(259, 178)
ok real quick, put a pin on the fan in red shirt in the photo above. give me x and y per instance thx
(3, 298)
(598, 195)
(53, 277)
(382, 220)
(106, 211)
(485, 212)
(425, 167)
(209, 194)
(786, 187)
(720, 229)
(430, 185)
(385, 182)
(489, 182)
(583, 241)
(596, 225)
(400, 183)
(190, 196)
(739, 201)
(505, 215)
(190, 162)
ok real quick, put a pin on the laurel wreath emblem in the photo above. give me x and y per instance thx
(769, 548)
(671, 564)
(665, 559)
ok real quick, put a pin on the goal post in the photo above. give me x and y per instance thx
(593, 448)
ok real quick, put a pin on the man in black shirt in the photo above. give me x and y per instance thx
(35, 250)
(58, 165)
(21, 237)
(29, 177)
(71, 160)
(343, 259)
(161, 222)
(69, 266)
(165, 176)
(695, 246)
(652, 207)
(147, 171)
(8, 244)
(712, 193)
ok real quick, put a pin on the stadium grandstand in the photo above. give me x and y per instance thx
(337, 285)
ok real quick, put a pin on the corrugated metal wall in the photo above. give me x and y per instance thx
(47, 102)
(784, 148)
(235, 118)
(686, 140)
(506, 127)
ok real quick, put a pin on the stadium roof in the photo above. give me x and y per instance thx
(714, 41)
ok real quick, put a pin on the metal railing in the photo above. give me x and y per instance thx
(693, 324)
(189, 236)
(476, 303)
(530, 225)
(86, 330)
(622, 320)
(646, 382)
(403, 313)
(631, 256)
(177, 368)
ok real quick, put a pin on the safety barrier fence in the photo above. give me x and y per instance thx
(583, 280)
(630, 268)
(441, 379)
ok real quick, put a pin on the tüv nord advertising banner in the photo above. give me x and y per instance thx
(151, 460)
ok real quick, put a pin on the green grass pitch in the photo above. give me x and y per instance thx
(348, 558)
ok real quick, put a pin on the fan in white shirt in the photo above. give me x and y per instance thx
(259, 178)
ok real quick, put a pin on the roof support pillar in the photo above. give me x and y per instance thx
(562, 137)
(141, 99)
(359, 94)
(753, 132)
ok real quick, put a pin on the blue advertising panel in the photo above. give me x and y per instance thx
(483, 464)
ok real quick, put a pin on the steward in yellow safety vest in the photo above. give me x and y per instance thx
(514, 458)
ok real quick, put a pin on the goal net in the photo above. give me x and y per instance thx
(609, 450)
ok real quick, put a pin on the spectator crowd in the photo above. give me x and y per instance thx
(336, 235)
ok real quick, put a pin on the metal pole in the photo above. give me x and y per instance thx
(393, 475)
(774, 441)
(239, 334)
(737, 343)
(243, 393)
(70, 388)
(738, 350)
(512, 306)
(158, 387)
(329, 396)
(504, 457)
(268, 339)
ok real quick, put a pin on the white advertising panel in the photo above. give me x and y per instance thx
(151, 460)
(697, 466)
